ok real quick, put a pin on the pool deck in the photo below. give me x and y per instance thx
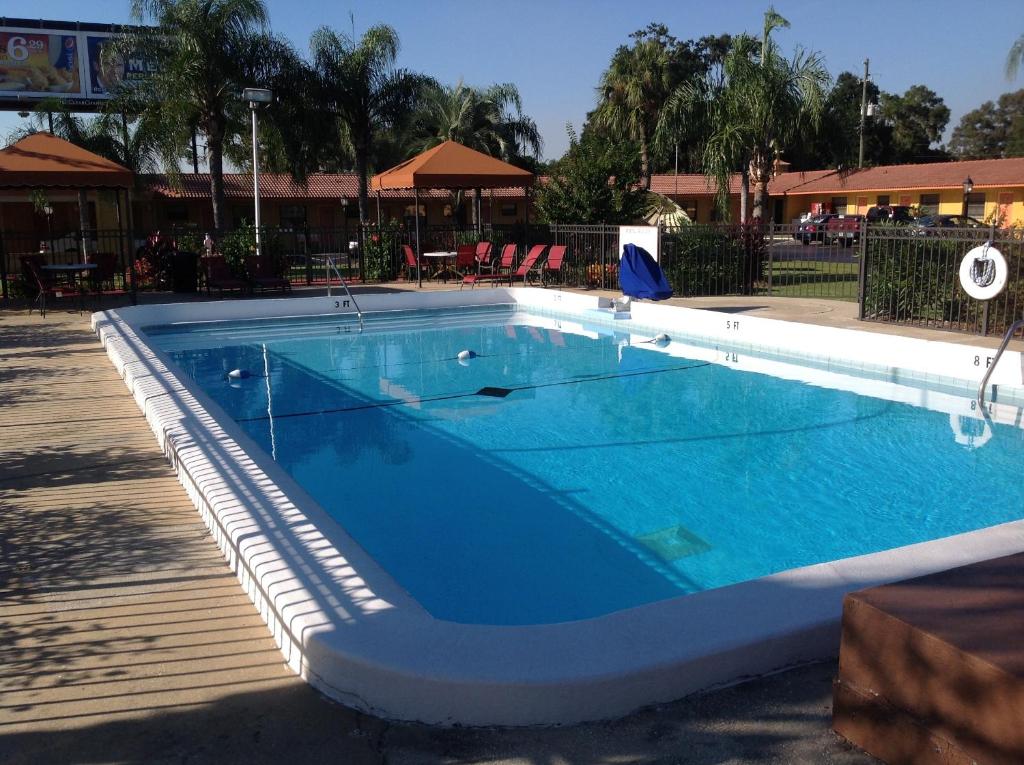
(126, 637)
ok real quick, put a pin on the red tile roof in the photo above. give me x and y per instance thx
(282, 186)
(699, 185)
(985, 173)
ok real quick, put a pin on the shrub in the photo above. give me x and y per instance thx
(379, 251)
(713, 260)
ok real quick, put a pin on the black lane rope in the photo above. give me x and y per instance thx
(452, 396)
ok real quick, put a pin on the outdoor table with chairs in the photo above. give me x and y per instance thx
(445, 263)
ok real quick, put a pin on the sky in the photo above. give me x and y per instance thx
(554, 51)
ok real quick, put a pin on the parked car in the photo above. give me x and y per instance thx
(936, 225)
(890, 214)
(813, 229)
(845, 229)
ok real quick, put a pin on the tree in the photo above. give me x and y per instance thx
(992, 131)
(745, 117)
(595, 182)
(917, 119)
(637, 82)
(206, 52)
(836, 143)
(489, 120)
(1015, 58)
(358, 82)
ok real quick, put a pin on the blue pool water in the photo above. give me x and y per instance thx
(598, 473)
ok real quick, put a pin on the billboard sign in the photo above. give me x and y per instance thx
(39, 65)
(65, 60)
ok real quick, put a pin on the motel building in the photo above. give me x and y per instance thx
(330, 200)
(44, 211)
(996, 191)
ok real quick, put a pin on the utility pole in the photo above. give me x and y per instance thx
(863, 113)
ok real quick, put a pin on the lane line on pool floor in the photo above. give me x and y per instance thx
(452, 396)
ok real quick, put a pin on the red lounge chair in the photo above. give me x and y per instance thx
(219, 276)
(507, 262)
(465, 259)
(553, 265)
(411, 266)
(523, 272)
(483, 256)
(266, 276)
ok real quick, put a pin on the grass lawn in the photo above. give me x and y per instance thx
(815, 278)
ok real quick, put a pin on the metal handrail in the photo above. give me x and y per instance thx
(995, 360)
(332, 267)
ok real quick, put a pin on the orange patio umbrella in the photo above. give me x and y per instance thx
(450, 166)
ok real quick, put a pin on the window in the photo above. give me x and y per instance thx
(690, 208)
(293, 216)
(177, 212)
(929, 204)
(839, 205)
(509, 210)
(976, 205)
(883, 199)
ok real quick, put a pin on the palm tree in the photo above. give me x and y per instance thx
(759, 104)
(358, 82)
(1015, 58)
(207, 51)
(489, 120)
(632, 90)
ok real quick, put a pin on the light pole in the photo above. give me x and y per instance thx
(968, 188)
(863, 112)
(256, 96)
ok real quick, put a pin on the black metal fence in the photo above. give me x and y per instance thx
(109, 249)
(911, 277)
(898, 274)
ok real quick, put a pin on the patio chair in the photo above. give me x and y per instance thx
(553, 265)
(524, 272)
(31, 269)
(105, 272)
(465, 259)
(483, 256)
(265, 274)
(219, 276)
(411, 266)
(506, 263)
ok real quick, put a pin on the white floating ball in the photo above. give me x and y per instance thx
(465, 355)
(239, 374)
(662, 338)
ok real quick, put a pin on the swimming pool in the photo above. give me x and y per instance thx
(553, 528)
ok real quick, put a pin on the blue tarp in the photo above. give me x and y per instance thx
(640, 276)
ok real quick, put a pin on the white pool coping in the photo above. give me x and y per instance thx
(351, 631)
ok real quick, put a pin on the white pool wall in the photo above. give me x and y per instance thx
(346, 626)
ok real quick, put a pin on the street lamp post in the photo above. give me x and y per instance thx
(255, 97)
(968, 188)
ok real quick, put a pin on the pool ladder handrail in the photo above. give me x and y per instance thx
(332, 267)
(995, 360)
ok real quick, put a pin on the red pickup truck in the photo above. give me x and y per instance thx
(845, 229)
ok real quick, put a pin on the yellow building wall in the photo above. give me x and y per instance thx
(950, 202)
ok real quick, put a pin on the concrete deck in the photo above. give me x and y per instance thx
(124, 636)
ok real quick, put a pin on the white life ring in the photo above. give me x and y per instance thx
(966, 436)
(983, 272)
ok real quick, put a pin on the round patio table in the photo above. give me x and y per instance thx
(444, 260)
